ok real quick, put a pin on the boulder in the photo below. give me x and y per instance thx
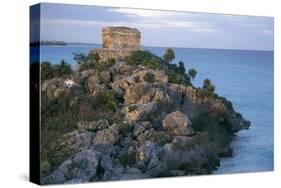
(105, 77)
(141, 127)
(93, 125)
(49, 86)
(107, 164)
(56, 177)
(82, 166)
(147, 152)
(143, 112)
(92, 83)
(107, 136)
(178, 124)
(135, 92)
(69, 91)
(80, 77)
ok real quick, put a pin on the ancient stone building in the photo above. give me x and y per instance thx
(118, 42)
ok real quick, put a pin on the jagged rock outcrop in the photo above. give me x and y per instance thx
(58, 87)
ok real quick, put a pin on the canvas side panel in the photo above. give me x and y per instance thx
(34, 151)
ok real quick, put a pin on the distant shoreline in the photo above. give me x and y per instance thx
(89, 44)
(47, 43)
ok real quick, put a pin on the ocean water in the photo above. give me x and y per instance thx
(244, 77)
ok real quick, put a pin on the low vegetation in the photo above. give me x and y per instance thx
(144, 58)
(207, 90)
(149, 77)
(49, 70)
(107, 100)
(92, 61)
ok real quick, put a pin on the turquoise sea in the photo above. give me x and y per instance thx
(244, 77)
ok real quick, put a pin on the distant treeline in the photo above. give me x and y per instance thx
(47, 42)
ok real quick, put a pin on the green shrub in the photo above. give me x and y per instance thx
(80, 58)
(149, 77)
(51, 107)
(174, 77)
(181, 68)
(99, 66)
(139, 57)
(176, 74)
(211, 89)
(86, 66)
(153, 63)
(45, 168)
(107, 100)
(47, 71)
(63, 69)
(207, 90)
(127, 159)
(125, 128)
(94, 57)
(144, 58)
(57, 70)
(160, 137)
(105, 65)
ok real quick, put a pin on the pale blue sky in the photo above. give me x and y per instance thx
(74, 23)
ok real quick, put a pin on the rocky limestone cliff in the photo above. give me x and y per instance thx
(118, 42)
(131, 121)
(157, 129)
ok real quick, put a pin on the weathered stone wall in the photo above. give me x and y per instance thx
(118, 42)
(120, 38)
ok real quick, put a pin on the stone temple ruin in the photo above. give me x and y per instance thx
(118, 42)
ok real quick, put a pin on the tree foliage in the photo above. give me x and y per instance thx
(149, 77)
(207, 90)
(107, 100)
(192, 73)
(169, 55)
(144, 58)
(49, 70)
(80, 58)
(181, 68)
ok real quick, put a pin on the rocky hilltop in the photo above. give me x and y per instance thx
(140, 117)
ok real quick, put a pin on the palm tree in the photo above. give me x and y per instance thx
(192, 73)
(169, 55)
(181, 68)
(207, 83)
